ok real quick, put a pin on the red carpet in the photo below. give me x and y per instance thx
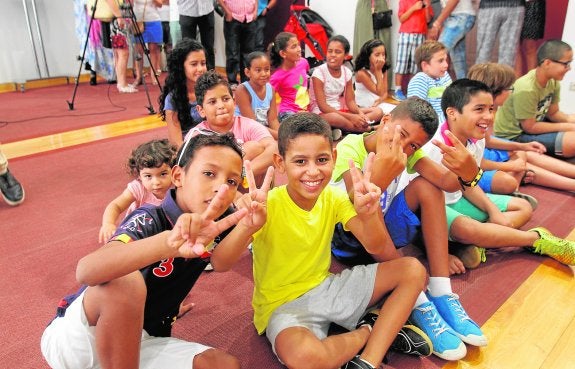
(58, 223)
(43, 111)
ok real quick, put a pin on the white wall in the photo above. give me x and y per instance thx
(567, 103)
(56, 22)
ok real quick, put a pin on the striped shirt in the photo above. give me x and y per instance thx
(195, 8)
(429, 89)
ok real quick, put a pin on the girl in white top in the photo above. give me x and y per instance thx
(151, 165)
(371, 77)
(331, 82)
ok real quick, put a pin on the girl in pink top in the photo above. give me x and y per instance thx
(290, 79)
(151, 166)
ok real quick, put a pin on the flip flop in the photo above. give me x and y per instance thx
(526, 179)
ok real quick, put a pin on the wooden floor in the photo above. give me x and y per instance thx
(534, 328)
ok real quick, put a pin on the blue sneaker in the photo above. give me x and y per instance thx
(398, 95)
(451, 310)
(446, 344)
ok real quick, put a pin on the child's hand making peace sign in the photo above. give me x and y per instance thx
(255, 200)
(365, 194)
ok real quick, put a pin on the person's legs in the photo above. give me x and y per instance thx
(188, 26)
(488, 23)
(247, 45)
(422, 196)
(12, 191)
(260, 29)
(232, 36)
(206, 25)
(509, 33)
(455, 28)
(111, 310)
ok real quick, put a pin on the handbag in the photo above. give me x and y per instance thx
(381, 19)
(103, 10)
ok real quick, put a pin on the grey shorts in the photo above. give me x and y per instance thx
(341, 299)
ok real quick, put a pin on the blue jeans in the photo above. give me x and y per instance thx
(455, 28)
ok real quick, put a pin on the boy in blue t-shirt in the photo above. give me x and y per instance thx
(437, 312)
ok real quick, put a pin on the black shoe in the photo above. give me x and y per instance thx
(357, 363)
(11, 189)
(410, 339)
(413, 341)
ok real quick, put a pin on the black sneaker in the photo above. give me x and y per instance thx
(413, 341)
(11, 189)
(410, 339)
(357, 363)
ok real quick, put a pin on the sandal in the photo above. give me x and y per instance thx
(128, 89)
(528, 177)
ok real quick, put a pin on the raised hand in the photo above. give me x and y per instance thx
(193, 232)
(457, 158)
(255, 200)
(365, 194)
(389, 155)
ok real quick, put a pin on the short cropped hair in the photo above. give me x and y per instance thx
(426, 50)
(552, 50)
(190, 147)
(206, 82)
(498, 77)
(418, 110)
(458, 94)
(302, 124)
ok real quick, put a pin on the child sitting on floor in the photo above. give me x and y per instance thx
(255, 97)
(473, 217)
(371, 77)
(433, 78)
(331, 81)
(150, 164)
(137, 281)
(413, 122)
(216, 106)
(289, 78)
(296, 298)
(534, 167)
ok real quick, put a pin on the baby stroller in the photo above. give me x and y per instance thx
(310, 28)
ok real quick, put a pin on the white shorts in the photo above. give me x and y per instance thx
(69, 342)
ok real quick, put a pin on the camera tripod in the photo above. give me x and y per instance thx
(127, 14)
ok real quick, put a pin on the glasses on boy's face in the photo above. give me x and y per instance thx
(566, 64)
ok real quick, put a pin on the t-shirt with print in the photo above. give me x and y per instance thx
(291, 87)
(260, 107)
(333, 88)
(292, 252)
(430, 89)
(168, 281)
(528, 100)
(476, 149)
(353, 147)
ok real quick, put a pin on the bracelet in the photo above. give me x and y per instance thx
(471, 183)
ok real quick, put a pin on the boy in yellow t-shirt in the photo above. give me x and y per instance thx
(296, 298)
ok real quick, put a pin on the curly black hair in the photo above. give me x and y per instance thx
(176, 82)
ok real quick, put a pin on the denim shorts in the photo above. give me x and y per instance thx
(553, 141)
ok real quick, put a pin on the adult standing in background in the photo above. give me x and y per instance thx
(533, 30)
(456, 19)
(148, 12)
(264, 7)
(503, 17)
(240, 35)
(363, 30)
(199, 13)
